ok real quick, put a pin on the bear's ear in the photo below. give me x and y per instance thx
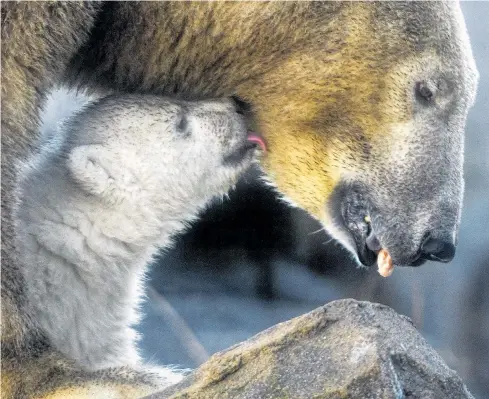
(90, 166)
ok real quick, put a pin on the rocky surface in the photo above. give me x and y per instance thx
(345, 349)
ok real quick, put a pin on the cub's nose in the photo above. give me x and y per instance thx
(241, 107)
(437, 250)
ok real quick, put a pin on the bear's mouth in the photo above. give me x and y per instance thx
(257, 139)
(352, 214)
(246, 150)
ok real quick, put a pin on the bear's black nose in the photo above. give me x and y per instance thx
(437, 250)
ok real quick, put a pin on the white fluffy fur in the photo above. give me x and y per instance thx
(118, 182)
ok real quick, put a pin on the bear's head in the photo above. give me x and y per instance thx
(160, 156)
(369, 137)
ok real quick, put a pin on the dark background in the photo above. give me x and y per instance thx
(253, 262)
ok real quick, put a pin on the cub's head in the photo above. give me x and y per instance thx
(365, 126)
(146, 150)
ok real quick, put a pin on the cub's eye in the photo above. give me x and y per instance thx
(182, 125)
(423, 92)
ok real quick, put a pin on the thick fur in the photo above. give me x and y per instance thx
(33, 58)
(96, 204)
(332, 85)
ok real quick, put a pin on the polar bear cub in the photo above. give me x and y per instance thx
(122, 178)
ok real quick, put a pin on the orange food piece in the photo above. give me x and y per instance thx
(384, 263)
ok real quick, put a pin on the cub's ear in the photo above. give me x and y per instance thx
(90, 166)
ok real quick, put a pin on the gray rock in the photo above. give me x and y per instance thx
(345, 349)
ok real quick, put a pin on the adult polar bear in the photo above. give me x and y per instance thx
(363, 106)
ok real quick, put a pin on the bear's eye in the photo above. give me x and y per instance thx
(423, 92)
(182, 125)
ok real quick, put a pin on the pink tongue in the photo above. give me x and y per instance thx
(257, 139)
